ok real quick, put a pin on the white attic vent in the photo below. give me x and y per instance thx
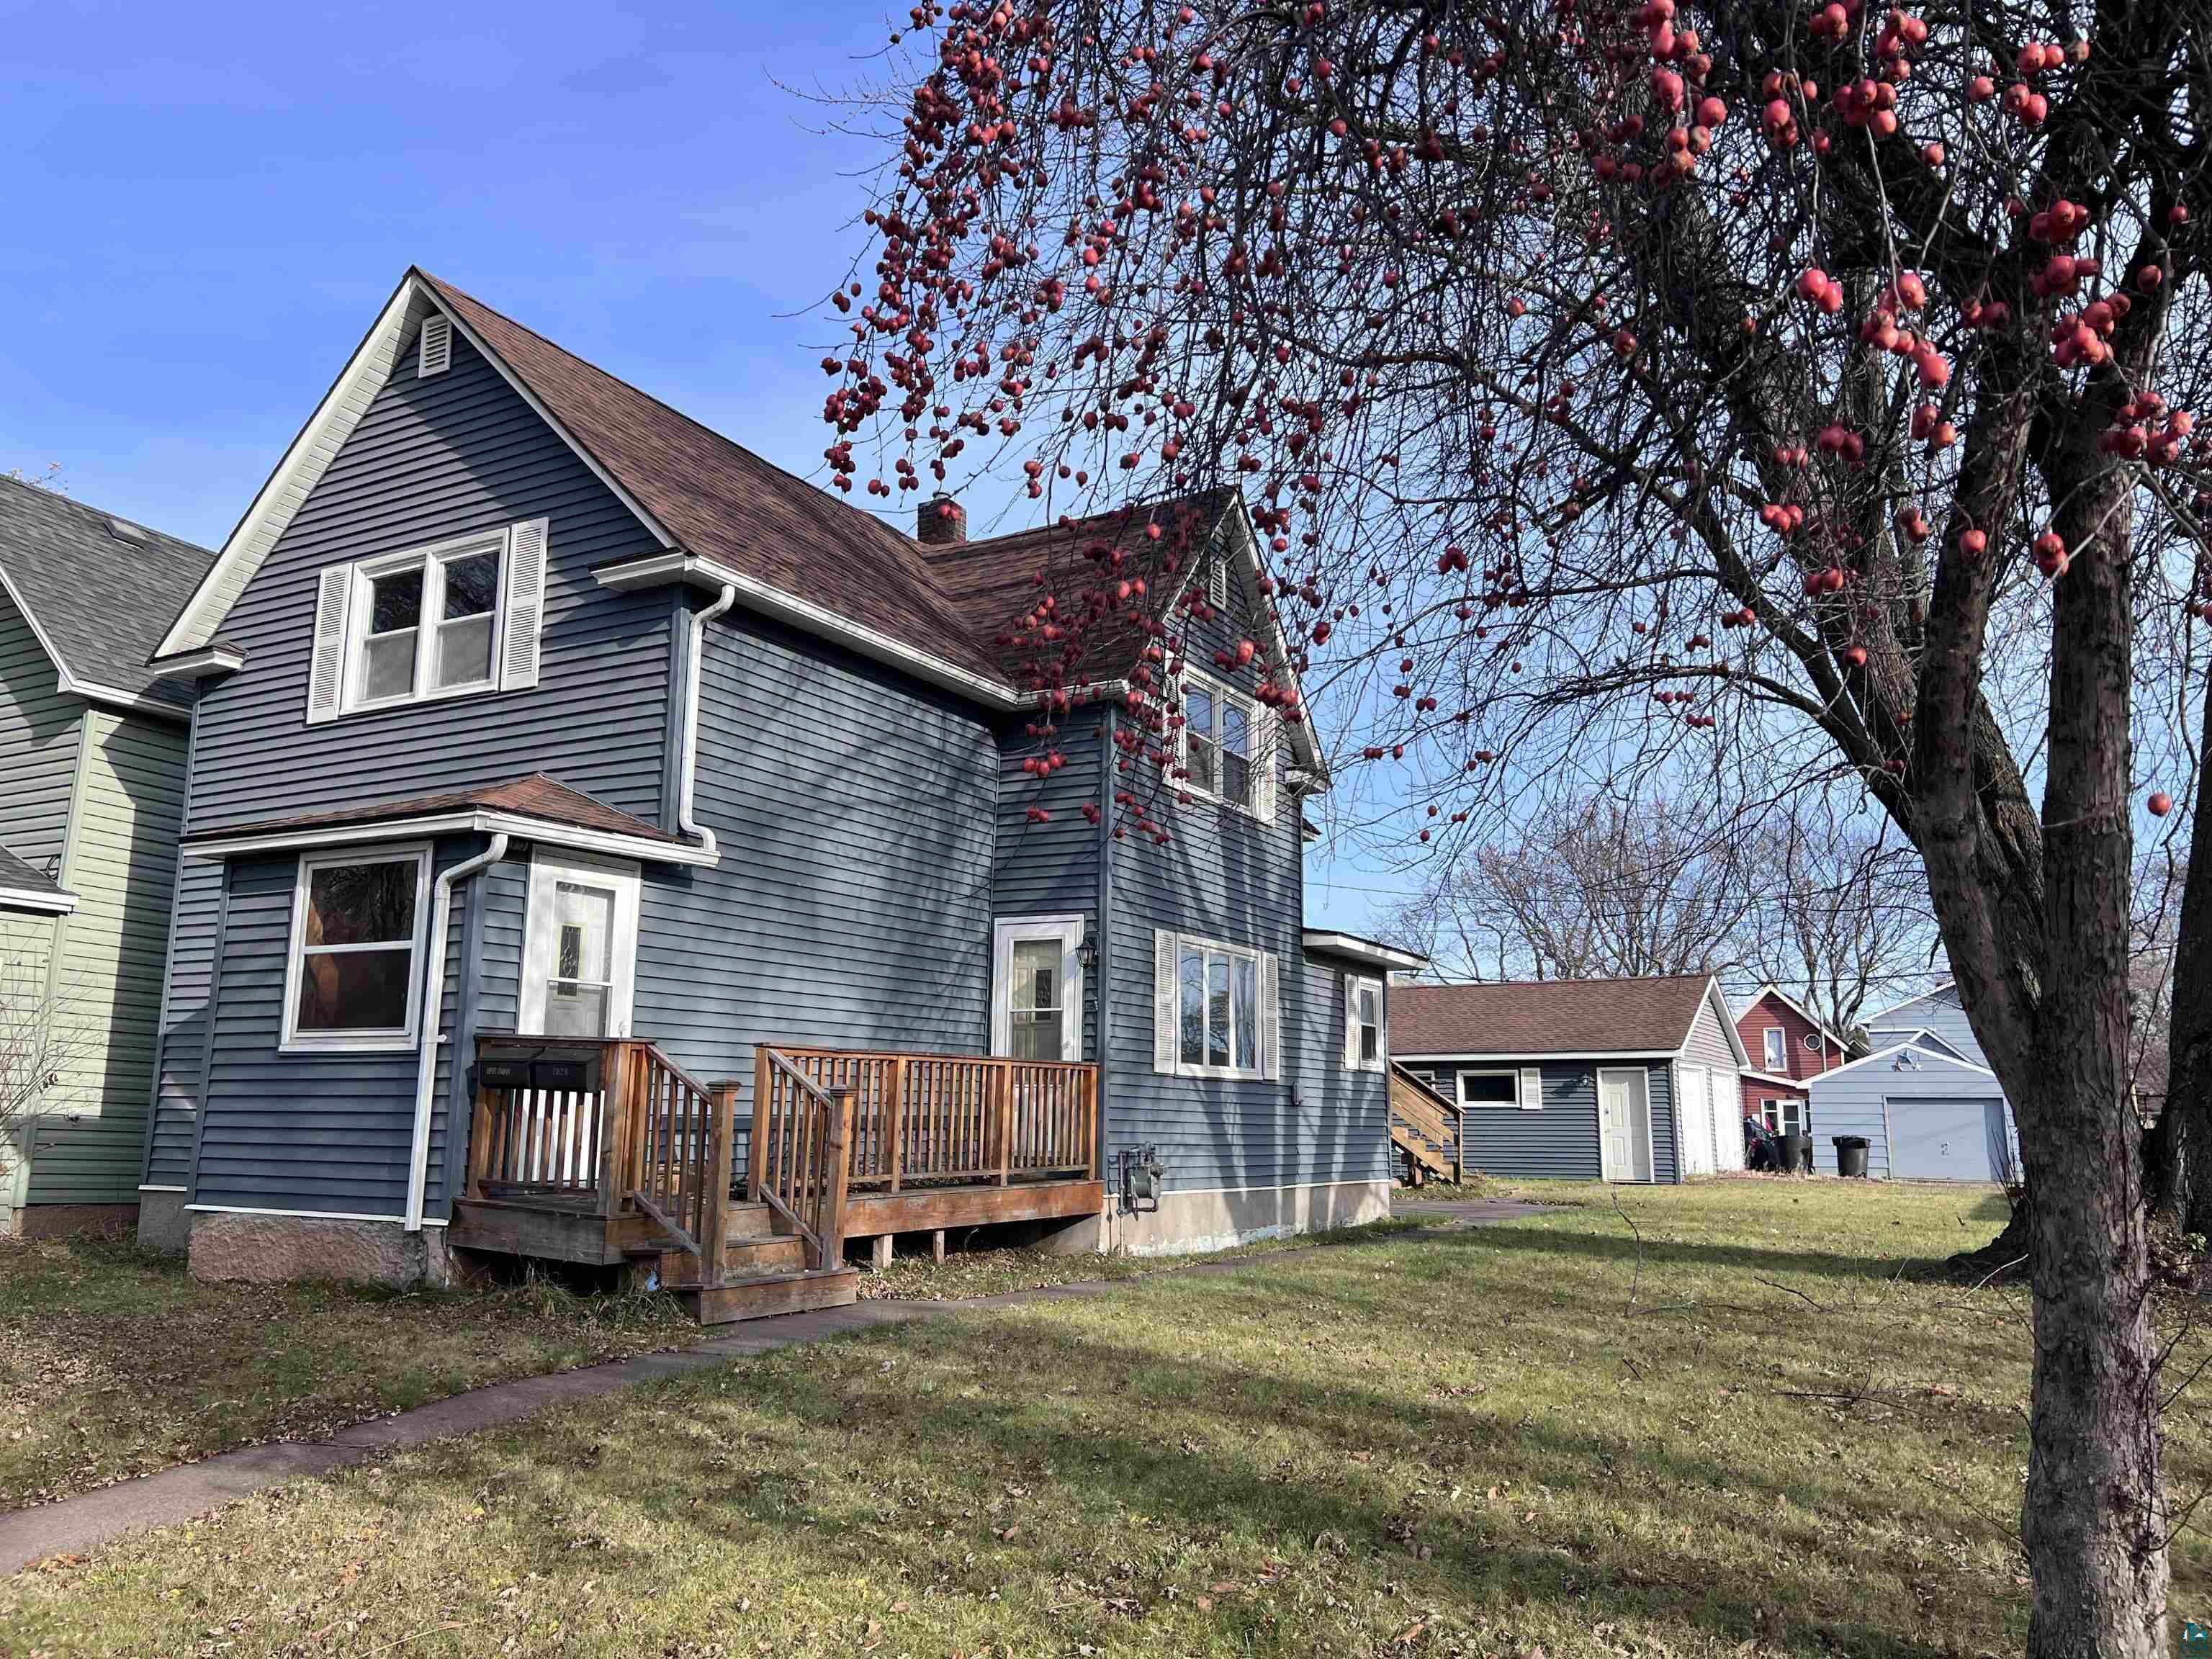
(1217, 582)
(434, 355)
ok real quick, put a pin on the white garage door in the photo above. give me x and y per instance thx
(1728, 1121)
(1948, 1139)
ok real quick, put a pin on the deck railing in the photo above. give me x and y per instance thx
(952, 1118)
(610, 1127)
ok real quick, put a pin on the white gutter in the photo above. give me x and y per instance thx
(433, 996)
(698, 649)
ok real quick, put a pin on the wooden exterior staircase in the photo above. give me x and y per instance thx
(1425, 1128)
(607, 1152)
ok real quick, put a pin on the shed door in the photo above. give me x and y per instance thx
(1693, 1123)
(1944, 1139)
(1624, 1124)
(1726, 1111)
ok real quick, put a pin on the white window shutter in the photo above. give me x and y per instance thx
(1271, 1019)
(1383, 1026)
(1266, 724)
(525, 607)
(327, 670)
(1351, 1022)
(434, 353)
(1166, 1044)
(1532, 1088)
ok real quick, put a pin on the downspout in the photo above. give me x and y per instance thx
(1101, 961)
(696, 649)
(434, 998)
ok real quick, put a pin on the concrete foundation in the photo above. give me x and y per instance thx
(1188, 1222)
(163, 1223)
(67, 1220)
(269, 1248)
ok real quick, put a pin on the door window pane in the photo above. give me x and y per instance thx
(1192, 976)
(578, 988)
(575, 1010)
(1217, 1021)
(1198, 722)
(1037, 1015)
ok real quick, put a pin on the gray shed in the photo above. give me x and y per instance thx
(1927, 1114)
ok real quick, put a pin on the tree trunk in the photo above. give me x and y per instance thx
(2094, 1519)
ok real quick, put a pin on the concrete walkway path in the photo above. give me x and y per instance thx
(76, 1524)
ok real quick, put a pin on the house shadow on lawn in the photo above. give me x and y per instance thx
(890, 1460)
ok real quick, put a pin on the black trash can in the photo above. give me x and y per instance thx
(1796, 1152)
(1850, 1155)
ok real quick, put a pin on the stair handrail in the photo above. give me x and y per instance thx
(820, 1185)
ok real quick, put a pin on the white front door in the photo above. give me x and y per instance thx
(1624, 1126)
(580, 946)
(1036, 997)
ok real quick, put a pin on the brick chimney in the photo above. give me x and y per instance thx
(941, 522)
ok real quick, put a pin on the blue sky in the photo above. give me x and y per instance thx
(207, 206)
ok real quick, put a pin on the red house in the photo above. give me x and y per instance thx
(1787, 1046)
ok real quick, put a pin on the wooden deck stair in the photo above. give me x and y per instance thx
(1425, 1127)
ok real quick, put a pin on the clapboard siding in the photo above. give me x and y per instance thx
(26, 957)
(1559, 1141)
(121, 864)
(1223, 875)
(1050, 866)
(313, 1132)
(1666, 1133)
(196, 919)
(851, 906)
(39, 730)
(430, 460)
(1938, 1011)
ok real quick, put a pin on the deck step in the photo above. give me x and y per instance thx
(748, 1258)
(754, 1221)
(767, 1294)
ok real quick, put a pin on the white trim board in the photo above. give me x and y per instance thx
(39, 899)
(477, 821)
(1894, 1049)
(1006, 932)
(1610, 1056)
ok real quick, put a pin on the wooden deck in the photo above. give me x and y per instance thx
(608, 1153)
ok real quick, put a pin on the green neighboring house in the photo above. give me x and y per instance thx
(93, 750)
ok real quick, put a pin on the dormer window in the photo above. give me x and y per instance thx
(446, 621)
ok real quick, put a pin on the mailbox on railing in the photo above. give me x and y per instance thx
(535, 1066)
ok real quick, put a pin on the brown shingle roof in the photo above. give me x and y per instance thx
(1646, 1016)
(956, 603)
(533, 797)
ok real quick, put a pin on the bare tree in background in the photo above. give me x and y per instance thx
(1842, 918)
(34, 1044)
(1619, 888)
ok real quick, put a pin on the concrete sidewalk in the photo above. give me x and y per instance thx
(76, 1524)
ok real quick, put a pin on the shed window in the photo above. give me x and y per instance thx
(355, 956)
(1778, 1048)
(1490, 1088)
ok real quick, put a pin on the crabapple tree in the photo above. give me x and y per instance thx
(1683, 375)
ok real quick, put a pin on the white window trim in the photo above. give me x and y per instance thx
(1514, 1104)
(1258, 747)
(1257, 1071)
(296, 1041)
(433, 559)
(549, 868)
(1353, 985)
(1005, 935)
(1768, 1043)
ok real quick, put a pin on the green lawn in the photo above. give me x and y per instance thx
(112, 1362)
(1753, 1434)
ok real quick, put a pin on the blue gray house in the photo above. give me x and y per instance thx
(1923, 1095)
(1615, 1080)
(603, 845)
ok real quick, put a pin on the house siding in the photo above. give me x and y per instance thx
(1049, 866)
(40, 733)
(121, 862)
(1862, 1101)
(852, 907)
(326, 1133)
(1223, 875)
(1938, 1011)
(1561, 1142)
(430, 460)
(26, 943)
(195, 923)
(1802, 1063)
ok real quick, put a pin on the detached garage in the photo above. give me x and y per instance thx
(1927, 1114)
